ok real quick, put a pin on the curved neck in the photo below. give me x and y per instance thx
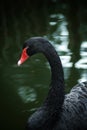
(54, 101)
(55, 96)
(47, 115)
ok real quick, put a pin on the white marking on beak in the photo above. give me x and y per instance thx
(19, 63)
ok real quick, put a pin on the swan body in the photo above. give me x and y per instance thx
(58, 111)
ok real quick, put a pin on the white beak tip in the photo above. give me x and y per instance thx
(19, 63)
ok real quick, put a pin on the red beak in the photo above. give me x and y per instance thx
(24, 57)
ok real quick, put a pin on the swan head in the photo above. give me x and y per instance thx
(30, 47)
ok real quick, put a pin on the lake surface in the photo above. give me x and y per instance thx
(23, 89)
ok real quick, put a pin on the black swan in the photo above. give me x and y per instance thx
(58, 111)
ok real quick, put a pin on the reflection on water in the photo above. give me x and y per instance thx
(27, 94)
(23, 89)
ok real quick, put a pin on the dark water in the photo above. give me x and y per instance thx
(23, 89)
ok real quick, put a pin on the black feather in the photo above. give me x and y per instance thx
(59, 111)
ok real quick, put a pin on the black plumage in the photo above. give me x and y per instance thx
(58, 111)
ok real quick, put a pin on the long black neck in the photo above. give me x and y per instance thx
(55, 96)
(49, 113)
(54, 101)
